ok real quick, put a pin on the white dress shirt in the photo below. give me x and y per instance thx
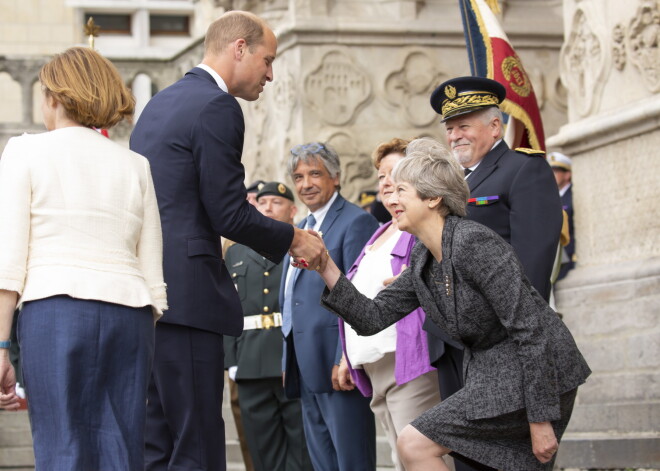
(221, 83)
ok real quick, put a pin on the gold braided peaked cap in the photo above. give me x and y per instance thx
(463, 95)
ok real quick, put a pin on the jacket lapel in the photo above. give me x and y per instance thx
(426, 298)
(487, 166)
(332, 214)
(442, 306)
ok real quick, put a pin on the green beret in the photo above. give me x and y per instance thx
(276, 189)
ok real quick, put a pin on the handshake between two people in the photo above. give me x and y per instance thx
(309, 257)
(308, 251)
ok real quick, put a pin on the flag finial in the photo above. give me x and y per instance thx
(91, 30)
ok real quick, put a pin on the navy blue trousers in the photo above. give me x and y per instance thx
(185, 430)
(86, 368)
(340, 430)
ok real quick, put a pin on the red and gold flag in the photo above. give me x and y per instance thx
(492, 56)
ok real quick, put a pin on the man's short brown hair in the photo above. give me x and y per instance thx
(89, 88)
(231, 26)
(393, 146)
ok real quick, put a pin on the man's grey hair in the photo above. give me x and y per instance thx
(315, 151)
(490, 113)
(432, 170)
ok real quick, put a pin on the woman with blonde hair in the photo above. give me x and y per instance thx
(82, 258)
(522, 367)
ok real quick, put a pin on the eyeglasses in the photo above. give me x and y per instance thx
(311, 148)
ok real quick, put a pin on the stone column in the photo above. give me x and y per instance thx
(610, 65)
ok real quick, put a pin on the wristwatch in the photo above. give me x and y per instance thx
(5, 344)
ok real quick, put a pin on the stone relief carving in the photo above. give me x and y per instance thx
(357, 171)
(583, 62)
(618, 48)
(559, 95)
(284, 98)
(643, 43)
(257, 116)
(409, 88)
(337, 88)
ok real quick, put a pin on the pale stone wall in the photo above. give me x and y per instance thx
(613, 185)
(35, 27)
(611, 300)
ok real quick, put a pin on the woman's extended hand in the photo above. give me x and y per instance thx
(326, 266)
(306, 250)
(544, 441)
(317, 264)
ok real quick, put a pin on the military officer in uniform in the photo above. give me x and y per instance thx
(512, 192)
(272, 423)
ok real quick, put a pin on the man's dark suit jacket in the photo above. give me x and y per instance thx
(192, 134)
(519, 354)
(346, 228)
(527, 211)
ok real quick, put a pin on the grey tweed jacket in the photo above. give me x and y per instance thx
(518, 352)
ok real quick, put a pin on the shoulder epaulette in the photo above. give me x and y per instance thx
(530, 152)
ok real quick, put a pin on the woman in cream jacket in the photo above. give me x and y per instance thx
(81, 256)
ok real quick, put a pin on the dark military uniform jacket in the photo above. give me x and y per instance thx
(257, 352)
(515, 194)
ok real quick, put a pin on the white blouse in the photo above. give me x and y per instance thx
(375, 267)
(79, 217)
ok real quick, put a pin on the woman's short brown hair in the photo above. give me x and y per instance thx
(434, 172)
(89, 88)
(393, 146)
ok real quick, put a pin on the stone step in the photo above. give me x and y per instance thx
(20, 456)
(16, 442)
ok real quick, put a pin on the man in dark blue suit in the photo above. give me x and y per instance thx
(511, 192)
(339, 425)
(192, 134)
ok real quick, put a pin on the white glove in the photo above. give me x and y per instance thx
(231, 372)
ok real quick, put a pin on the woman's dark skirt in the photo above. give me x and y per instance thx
(501, 442)
(86, 367)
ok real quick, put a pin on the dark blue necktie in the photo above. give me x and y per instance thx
(288, 289)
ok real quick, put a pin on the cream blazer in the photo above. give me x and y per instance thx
(78, 217)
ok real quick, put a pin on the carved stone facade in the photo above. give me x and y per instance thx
(611, 300)
(352, 72)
